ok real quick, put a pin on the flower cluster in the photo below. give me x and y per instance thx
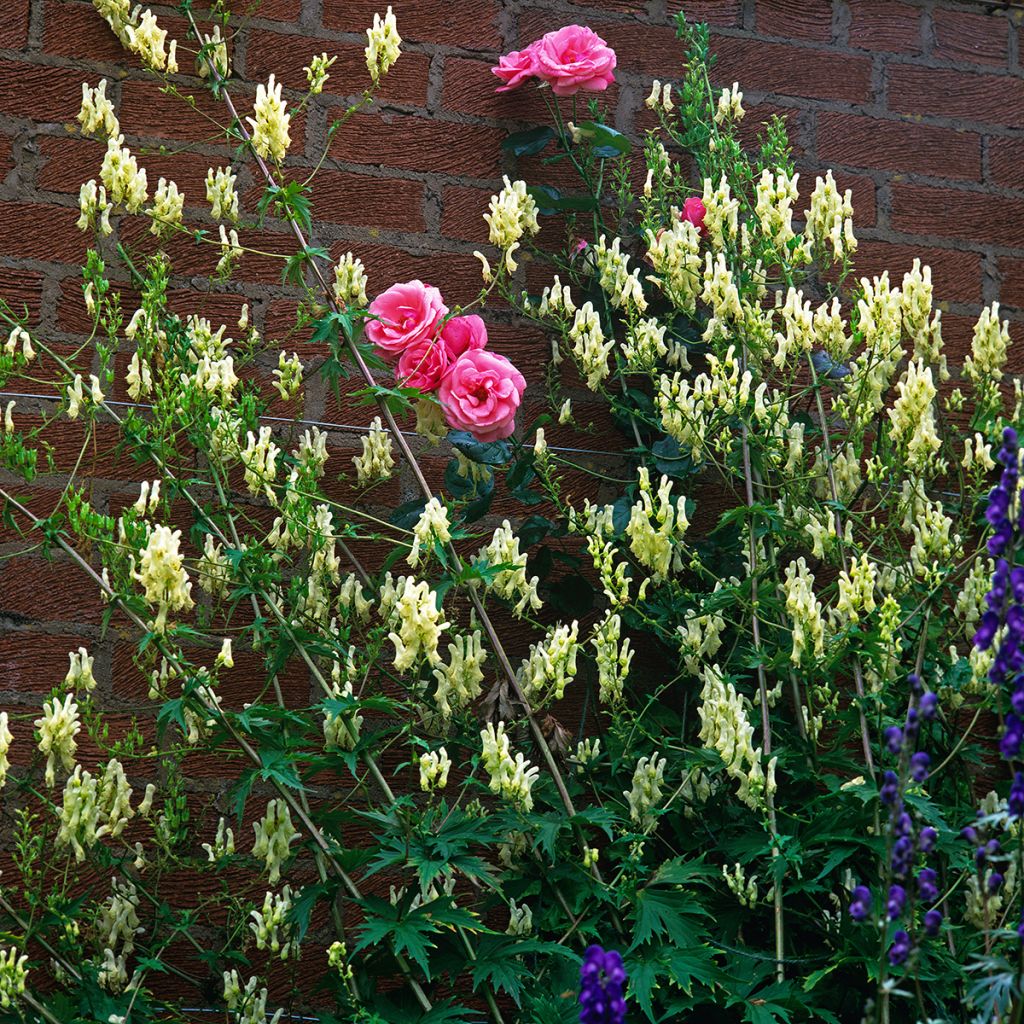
(479, 390)
(602, 981)
(1002, 624)
(909, 882)
(569, 60)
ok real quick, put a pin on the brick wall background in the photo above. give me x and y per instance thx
(917, 104)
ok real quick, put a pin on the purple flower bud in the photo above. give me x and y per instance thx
(926, 839)
(970, 833)
(912, 724)
(900, 948)
(896, 902)
(979, 856)
(929, 705)
(894, 739)
(995, 881)
(919, 766)
(902, 855)
(860, 903)
(932, 922)
(1016, 801)
(993, 847)
(602, 978)
(1009, 439)
(904, 824)
(890, 791)
(986, 631)
(914, 682)
(926, 887)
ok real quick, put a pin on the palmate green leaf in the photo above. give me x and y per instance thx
(499, 962)
(411, 932)
(673, 912)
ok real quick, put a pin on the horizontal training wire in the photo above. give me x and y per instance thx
(348, 427)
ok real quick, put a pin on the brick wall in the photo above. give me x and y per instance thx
(916, 104)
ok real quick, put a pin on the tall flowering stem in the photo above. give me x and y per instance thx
(407, 453)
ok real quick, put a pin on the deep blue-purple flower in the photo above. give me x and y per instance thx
(602, 979)
(900, 948)
(896, 902)
(933, 922)
(860, 903)
(926, 887)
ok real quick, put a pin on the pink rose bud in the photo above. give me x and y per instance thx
(515, 68)
(481, 393)
(462, 333)
(694, 211)
(574, 58)
(407, 314)
(423, 364)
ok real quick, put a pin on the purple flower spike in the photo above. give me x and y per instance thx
(927, 839)
(894, 739)
(919, 766)
(900, 948)
(926, 887)
(860, 903)
(929, 706)
(602, 978)
(896, 902)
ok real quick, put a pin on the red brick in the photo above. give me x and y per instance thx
(150, 113)
(1006, 161)
(974, 38)
(961, 94)
(70, 595)
(22, 290)
(287, 56)
(862, 189)
(14, 25)
(456, 274)
(956, 275)
(69, 162)
(898, 146)
(35, 661)
(714, 12)
(462, 210)
(885, 25)
(345, 198)
(1011, 291)
(472, 24)
(39, 92)
(955, 213)
(42, 232)
(74, 29)
(419, 144)
(272, 10)
(792, 70)
(802, 19)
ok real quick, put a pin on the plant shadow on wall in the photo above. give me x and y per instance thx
(783, 644)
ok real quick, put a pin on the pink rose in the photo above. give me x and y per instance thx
(574, 58)
(694, 211)
(408, 313)
(462, 333)
(423, 364)
(481, 393)
(515, 68)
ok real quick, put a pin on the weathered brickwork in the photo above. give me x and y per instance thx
(917, 105)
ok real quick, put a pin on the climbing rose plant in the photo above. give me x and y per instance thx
(723, 726)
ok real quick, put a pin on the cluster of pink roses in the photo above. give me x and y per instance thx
(570, 59)
(479, 391)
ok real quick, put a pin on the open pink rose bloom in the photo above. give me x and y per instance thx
(479, 390)
(570, 59)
